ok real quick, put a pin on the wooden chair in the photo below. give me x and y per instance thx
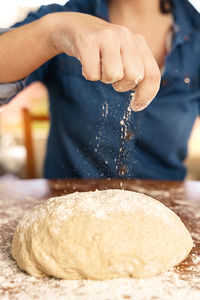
(28, 119)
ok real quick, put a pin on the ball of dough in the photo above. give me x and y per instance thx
(100, 235)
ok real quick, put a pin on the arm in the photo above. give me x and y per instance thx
(107, 52)
(23, 50)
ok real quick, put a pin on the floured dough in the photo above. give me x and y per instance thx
(100, 235)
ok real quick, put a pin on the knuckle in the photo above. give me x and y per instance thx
(123, 30)
(140, 39)
(114, 33)
(113, 77)
(93, 77)
(154, 77)
(90, 75)
(124, 33)
(106, 33)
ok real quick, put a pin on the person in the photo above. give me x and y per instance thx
(97, 58)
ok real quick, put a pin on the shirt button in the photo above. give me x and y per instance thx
(164, 82)
(187, 80)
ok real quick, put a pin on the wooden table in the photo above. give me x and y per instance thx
(16, 197)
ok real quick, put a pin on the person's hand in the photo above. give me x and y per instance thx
(108, 52)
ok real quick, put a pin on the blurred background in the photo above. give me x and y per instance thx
(24, 123)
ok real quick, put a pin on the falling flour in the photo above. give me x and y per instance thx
(124, 130)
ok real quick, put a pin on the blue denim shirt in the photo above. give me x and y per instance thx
(86, 139)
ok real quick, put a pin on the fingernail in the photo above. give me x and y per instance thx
(138, 107)
(132, 101)
(135, 107)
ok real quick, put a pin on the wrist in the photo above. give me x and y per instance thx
(49, 27)
(61, 31)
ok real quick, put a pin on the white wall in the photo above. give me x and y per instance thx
(196, 3)
(12, 11)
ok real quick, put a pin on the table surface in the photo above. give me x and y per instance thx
(16, 197)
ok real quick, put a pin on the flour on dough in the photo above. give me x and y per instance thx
(100, 235)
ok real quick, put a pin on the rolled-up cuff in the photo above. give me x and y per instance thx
(10, 90)
(2, 30)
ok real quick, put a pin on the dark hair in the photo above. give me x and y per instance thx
(166, 6)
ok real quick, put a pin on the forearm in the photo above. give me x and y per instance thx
(24, 49)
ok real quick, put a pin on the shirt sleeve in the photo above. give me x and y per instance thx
(10, 90)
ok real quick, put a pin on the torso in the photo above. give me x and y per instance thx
(85, 134)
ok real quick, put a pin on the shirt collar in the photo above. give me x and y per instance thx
(186, 21)
(101, 8)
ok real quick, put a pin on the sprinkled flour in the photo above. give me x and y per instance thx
(15, 284)
(97, 204)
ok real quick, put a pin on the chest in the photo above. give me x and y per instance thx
(157, 40)
(155, 32)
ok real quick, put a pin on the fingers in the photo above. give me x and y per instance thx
(102, 64)
(133, 69)
(112, 66)
(91, 64)
(124, 60)
(149, 86)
